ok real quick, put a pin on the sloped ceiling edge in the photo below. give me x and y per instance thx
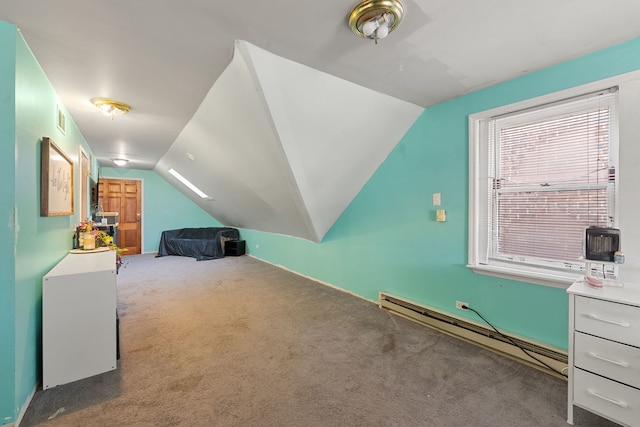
(283, 148)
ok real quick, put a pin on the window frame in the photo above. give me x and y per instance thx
(478, 173)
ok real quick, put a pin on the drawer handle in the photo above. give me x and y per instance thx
(615, 362)
(608, 399)
(613, 322)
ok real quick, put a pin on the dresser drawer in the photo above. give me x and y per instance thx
(608, 398)
(607, 358)
(617, 322)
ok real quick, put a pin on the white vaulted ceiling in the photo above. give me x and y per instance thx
(273, 149)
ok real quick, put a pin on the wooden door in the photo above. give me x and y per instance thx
(124, 197)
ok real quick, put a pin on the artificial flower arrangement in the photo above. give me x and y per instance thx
(88, 237)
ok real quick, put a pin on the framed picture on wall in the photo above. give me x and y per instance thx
(56, 181)
(61, 120)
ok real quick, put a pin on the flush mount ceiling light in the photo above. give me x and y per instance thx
(375, 19)
(119, 162)
(110, 107)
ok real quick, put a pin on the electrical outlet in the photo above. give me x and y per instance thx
(436, 199)
(462, 305)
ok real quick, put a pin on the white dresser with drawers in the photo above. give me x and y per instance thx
(604, 352)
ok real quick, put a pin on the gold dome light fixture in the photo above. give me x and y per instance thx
(375, 19)
(110, 107)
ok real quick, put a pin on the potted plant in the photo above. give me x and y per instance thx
(88, 237)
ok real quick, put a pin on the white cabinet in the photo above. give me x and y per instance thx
(79, 318)
(604, 352)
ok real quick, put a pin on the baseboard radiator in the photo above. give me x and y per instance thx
(477, 333)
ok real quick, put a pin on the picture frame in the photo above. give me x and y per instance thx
(56, 180)
(61, 120)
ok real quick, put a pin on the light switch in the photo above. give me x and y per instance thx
(436, 199)
(441, 215)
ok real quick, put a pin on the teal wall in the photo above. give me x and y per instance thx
(163, 207)
(388, 239)
(7, 198)
(37, 243)
(28, 108)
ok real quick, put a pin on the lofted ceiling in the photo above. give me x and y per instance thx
(164, 58)
(272, 150)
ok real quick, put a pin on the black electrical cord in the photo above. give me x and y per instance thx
(513, 342)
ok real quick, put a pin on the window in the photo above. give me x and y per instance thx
(539, 176)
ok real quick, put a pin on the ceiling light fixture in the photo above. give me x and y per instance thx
(110, 107)
(375, 19)
(120, 162)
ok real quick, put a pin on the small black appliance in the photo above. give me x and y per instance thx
(601, 243)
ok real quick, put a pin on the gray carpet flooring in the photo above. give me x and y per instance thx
(238, 342)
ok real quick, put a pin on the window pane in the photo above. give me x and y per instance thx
(546, 224)
(553, 179)
(566, 150)
(543, 171)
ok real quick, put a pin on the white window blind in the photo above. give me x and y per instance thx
(551, 175)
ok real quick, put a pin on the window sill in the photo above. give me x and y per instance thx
(556, 279)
